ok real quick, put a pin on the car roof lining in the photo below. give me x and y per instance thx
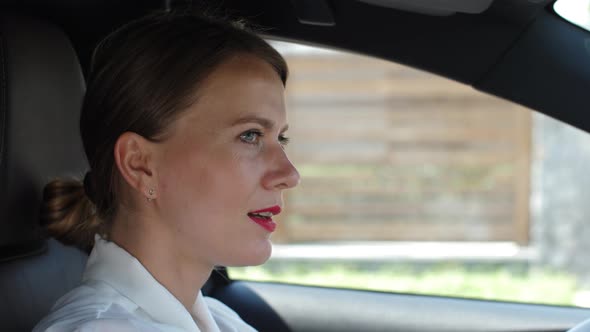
(468, 48)
(435, 7)
(426, 42)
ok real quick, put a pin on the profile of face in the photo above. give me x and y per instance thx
(223, 159)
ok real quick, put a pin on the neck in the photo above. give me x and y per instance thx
(150, 243)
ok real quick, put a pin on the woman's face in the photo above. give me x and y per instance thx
(225, 158)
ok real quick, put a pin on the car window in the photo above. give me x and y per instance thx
(574, 11)
(417, 184)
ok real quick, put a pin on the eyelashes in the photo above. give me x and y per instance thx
(254, 136)
(284, 140)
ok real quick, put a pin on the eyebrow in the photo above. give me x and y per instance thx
(265, 123)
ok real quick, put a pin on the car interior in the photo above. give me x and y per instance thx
(517, 50)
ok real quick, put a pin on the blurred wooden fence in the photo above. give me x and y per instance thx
(391, 153)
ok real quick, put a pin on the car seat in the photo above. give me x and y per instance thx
(41, 90)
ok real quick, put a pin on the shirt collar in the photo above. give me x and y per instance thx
(113, 265)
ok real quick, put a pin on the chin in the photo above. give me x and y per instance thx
(257, 255)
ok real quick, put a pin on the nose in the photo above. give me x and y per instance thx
(281, 174)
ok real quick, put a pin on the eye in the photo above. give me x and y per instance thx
(251, 136)
(283, 140)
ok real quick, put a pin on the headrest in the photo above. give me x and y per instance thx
(41, 93)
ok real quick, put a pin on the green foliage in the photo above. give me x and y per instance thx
(501, 283)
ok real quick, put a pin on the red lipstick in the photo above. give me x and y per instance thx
(264, 217)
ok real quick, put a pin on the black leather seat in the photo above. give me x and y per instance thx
(41, 92)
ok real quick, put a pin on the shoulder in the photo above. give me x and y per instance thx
(99, 325)
(103, 325)
(86, 306)
(107, 322)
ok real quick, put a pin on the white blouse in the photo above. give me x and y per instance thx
(118, 294)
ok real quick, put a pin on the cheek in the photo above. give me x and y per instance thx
(233, 180)
(209, 181)
(180, 174)
(205, 201)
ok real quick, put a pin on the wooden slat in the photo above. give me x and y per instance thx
(379, 153)
(409, 231)
(380, 133)
(337, 189)
(415, 114)
(350, 110)
(375, 88)
(392, 210)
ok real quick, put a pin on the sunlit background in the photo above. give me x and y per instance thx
(575, 11)
(413, 183)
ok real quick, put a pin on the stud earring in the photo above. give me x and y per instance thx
(151, 194)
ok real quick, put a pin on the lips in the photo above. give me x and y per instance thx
(264, 217)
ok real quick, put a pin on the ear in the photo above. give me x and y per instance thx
(134, 156)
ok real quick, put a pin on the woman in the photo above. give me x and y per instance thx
(184, 128)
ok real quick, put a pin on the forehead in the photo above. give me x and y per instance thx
(242, 66)
(241, 85)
